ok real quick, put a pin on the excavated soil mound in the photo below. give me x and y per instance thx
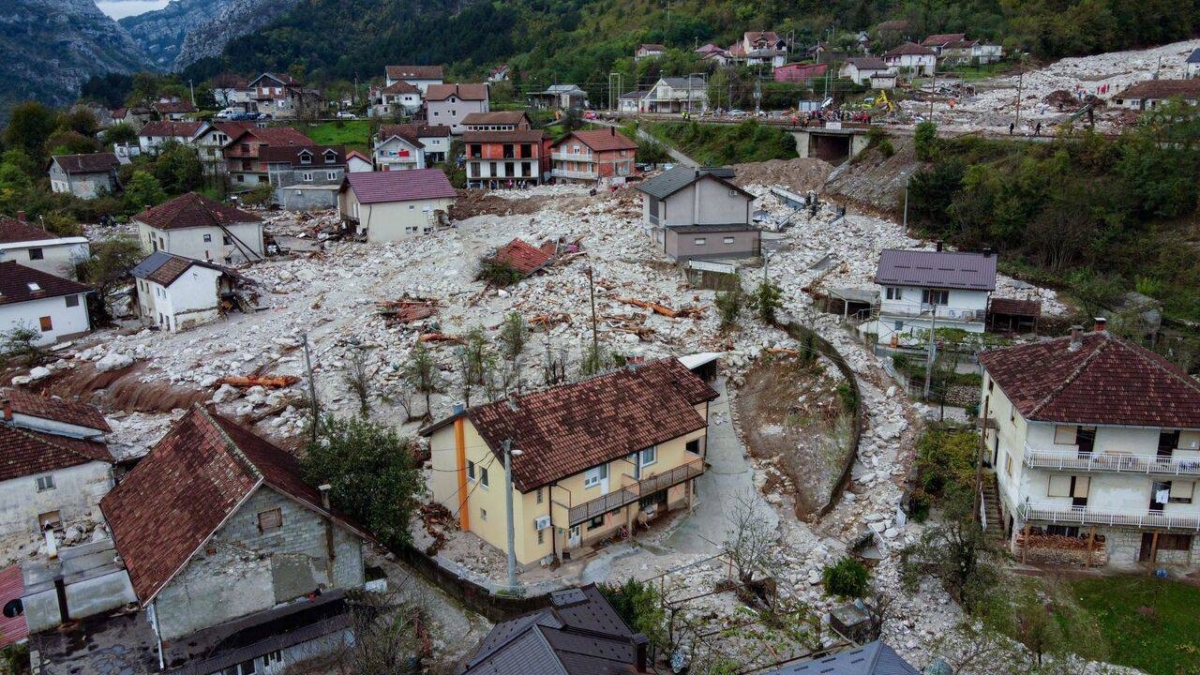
(797, 175)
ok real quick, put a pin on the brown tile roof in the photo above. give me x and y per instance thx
(55, 409)
(272, 136)
(1160, 89)
(516, 136)
(13, 231)
(283, 78)
(372, 187)
(169, 129)
(867, 63)
(602, 140)
(15, 283)
(652, 48)
(164, 268)
(1014, 307)
(193, 210)
(523, 257)
(414, 72)
(291, 154)
(1105, 381)
(406, 131)
(193, 480)
(24, 452)
(401, 87)
(568, 429)
(943, 39)
(466, 92)
(910, 48)
(100, 162)
(515, 117)
(173, 107)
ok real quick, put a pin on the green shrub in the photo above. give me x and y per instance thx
(847, 578)
(498, 273)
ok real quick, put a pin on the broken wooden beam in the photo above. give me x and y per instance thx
(440, 337)
(265, 381)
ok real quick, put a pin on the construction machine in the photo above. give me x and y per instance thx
(882, 101)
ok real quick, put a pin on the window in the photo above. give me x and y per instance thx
(932, 297)
(1064, 435)
(1181, 491)
(483, 477)
(593, 477)
(483, 514)
(272, 658)
(733, 193)
(648, 456)
(1062, 531)
(36, 254)
(1060, 486)
(728, 240)
(306, 176)
(1008, 464)
(208, 238)
(331, 175)
(330, 158)
(700, 241)
(72, 301)
(1174, 542)
(539, 495)
(894, 293)
(45, 483)
(33, 286)
(596, 523)
(47, 324)
(305, 159)
(470, 470)
(227, 240)
(270, 520)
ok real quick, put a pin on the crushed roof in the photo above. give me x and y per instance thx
(193, 210)
(1105, 380)
(55, 409)
(169, 129)
(399, 186)
(100, 162)
(185, 489)
(937, 269)
(466, 92)
(16, 280)
(668, 183)
(567, 429)
(414, 72)
(1189, 89)
(602, 140)
(164, 268)
(524, 257)
(25, 452)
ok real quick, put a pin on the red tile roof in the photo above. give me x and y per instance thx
(571, 428)
(15, 283)
(1104, 381)
(602, 140)
(399, 186)
(24, 452)
(523, 257)
(168, 129)
(12, 587)
(13, 231)
(401, 87)
(100, 162)
(515, 136)
(414, 72)
(164, 268)
(187, 487)
(173, 107)
(1161, 89)
(56, 409)
(465, 92)
(943, 39)
(272, 136)
(193, 210)
(910, 48)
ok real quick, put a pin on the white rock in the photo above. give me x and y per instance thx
(39, 373)
(226, 393)
(113, 361)
(891, 533)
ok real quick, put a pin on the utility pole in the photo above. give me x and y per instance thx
(1020, 81)
(508, 499)
(312, 389)
(192, 88)
(592, 292)
(929, 357)
(906, 182)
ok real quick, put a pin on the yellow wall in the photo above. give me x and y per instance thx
(557, 498)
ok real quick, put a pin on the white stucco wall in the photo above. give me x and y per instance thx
(190, 301)
(59, 255)
(77, 491)
(392, 221)
(451, 112)
(65, 320)
(189, 242)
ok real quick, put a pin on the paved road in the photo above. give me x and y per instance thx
(728, 478)
(676, 155)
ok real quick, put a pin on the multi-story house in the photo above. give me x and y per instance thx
(153, 135)
(173, 109)
(281, 95)
(85, 176)
(305, 177)
(678, 95)
(589, 460)
(231, 90)
(54, 307)
(242, 151)
(957, 48)
(593, 156)
(34, 247)
(421, 77)
(861, 69)
(210, 141)
(196, 227)
(932, 289)
(500, 120)
(177, 293)
(911, 57)
(398, 98)
(54, 464)
(398, 147)
(760, 47)
(496, 158)
(1097, 438)
(699, 213)
(449, 104)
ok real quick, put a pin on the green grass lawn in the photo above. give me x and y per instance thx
(1148, 623)
(354, 134)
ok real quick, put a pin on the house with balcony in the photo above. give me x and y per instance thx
(1097, 439)
(210, 141)
(399, 98)
(759, 47)
(281, 95)
(913, 58)
(599, 156)
(242, 152)
(396, 147)
(677, 95)
(699, 213)
(923, 290)
(497, 158)
(590, 460)
(450, 104)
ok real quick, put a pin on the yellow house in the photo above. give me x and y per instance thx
(596, 459)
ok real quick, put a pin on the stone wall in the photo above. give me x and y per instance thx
(1059, 550)
(242, 570)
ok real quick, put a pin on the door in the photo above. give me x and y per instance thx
(574, 540)
(1085, 438)
(1168, 440)
(1160, 494)
(1147, 547)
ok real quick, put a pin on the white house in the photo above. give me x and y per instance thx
(633, 101)
(757, 47)
(85, 176)
(397, 148)
(1153, 93)
(1098, 439)
(400, 97)
(177, 293)
(356, 162)
(54, 464)
(196, 227)
(1193, 63)
(421, 77)
(396, 205)
(921, 288)
(678, 95)
(37, 248)
(913, 58)
(53, 306)
(649, 51)
(154, 134)
(862, 69)
(448, 104)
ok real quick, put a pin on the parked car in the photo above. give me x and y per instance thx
(590, 115)
(346, 115)
(737, 113)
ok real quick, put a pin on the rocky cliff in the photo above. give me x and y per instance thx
(187, 30)
(50, 47)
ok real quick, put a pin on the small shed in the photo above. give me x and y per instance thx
(703, 365)
(1008, 315)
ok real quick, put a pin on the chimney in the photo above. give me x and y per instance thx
(1101, 325)
(512, 402)
(639, 648)
(1076, 338)
(612, 131)
(20, 216)
(6, 407)
(939, 246)
(324, 489)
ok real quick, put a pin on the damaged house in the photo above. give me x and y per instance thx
(177, 293)
(694, 213)
(196, 227)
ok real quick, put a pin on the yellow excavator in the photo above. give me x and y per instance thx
(882, 101)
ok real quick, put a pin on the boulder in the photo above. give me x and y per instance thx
(113, 361)
(39, 373)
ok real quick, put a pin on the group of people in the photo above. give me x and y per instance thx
(509, 184)
(822, 116)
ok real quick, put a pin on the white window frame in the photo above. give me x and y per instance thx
(700, 241)
(651, 452)
(46, 483)
(593, 476)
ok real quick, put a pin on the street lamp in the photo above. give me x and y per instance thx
(509, 452)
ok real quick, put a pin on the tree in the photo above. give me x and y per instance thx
(847, 578)
(19, 344)
(729, 305)
(179, 168)
(68, 142)
(925, 141)
(143, 190)
(80, 120)
(107, 268)
(639, 605)
(386, 639)
(372, 474)
(358, 378)
(422, 373)
(748, 541)
(260, 195)
(475, 362)
(29, 126)
(768, 300)
(513, 337)
(120, 134)
(953, 552)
